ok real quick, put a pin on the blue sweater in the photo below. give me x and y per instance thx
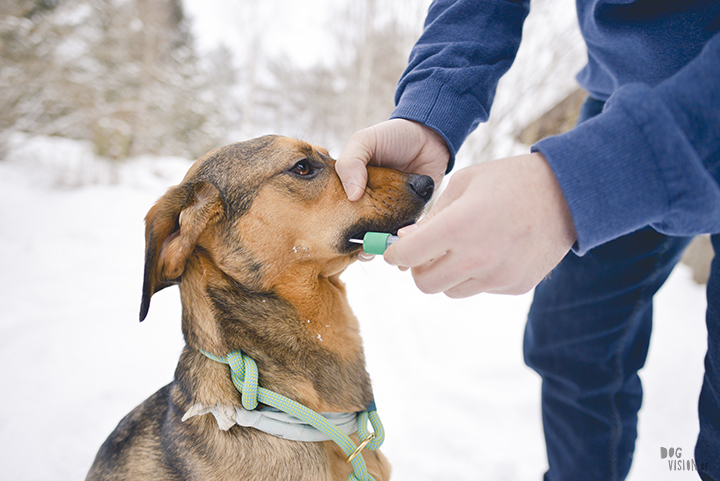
(651, 158)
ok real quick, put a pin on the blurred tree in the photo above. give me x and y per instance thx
(121, 73)
(26, 37)
(252, 24)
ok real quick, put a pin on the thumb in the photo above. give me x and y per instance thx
(456, 187)
(351, 165)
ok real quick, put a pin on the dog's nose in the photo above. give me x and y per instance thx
(422, 185)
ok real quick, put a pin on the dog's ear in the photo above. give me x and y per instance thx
(172, 229)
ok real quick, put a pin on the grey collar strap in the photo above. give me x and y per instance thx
(272, 421)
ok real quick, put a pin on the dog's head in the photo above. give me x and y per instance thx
(268, 210)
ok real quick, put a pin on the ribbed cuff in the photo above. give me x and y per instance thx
(433, 104)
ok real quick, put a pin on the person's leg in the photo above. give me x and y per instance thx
(587, 335)
(707, 450)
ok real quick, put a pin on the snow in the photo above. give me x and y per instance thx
(453, 392)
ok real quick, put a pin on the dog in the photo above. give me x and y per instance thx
(256, 237)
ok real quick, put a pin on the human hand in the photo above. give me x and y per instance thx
(498, 227)
(398, 143)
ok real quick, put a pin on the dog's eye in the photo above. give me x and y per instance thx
(303, 168)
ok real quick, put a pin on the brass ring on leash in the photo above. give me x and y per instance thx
(362, 445)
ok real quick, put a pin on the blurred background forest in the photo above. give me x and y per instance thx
(128, 77)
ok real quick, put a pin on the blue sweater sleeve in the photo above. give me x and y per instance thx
(651, 158)
(454, 67)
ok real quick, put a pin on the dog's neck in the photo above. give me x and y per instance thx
(303, 337)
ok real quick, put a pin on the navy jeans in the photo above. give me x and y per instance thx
(587, 335)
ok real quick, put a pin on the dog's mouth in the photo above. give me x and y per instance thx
(358, 231)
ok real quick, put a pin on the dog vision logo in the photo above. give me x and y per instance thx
(676, 461)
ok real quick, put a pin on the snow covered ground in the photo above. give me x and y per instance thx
(456, 399)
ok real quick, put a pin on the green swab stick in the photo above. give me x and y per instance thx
(376, 242)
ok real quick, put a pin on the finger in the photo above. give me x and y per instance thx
(353, 175)
(450, 274)
(499, 279)
(474, 286)
(468, 288)
(441, 274)
(424, 243)
(407, 229)
(421, 247)
(456, 188)
(351, 165)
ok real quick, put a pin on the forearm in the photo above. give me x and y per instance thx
(651, 158)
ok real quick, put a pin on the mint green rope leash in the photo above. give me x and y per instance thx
(244, 376)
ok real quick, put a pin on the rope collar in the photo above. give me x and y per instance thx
(302, 420)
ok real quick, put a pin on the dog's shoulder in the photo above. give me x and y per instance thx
(140, 431)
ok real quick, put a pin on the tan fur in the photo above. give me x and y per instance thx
(256, 246)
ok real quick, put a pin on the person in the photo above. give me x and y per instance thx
(594, 219)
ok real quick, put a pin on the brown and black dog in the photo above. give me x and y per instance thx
(256, 236)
